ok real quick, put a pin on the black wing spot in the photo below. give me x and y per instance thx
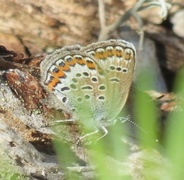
(79, 99)
(112, 68)
(78, 74)
(115, 80)
(87, 97)
(124, 70)
(64, 99)
(86, 74)
(86, 88)
(94, 79)
(65, 88)
(55, 70)
(73, 86)
(102, 87)
(62, 64)
(102, 98)
(74, 80)
(118, 69)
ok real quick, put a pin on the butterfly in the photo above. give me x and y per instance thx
(91, 83)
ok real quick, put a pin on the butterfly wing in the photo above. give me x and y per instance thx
(117, 58)
(75, 78)
(92, 83)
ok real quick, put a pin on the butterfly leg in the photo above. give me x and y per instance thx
(55, 123)
(89, 134)
(105, 132)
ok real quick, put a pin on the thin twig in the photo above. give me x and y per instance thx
(101, 11)
(103, 28)
(106, 30)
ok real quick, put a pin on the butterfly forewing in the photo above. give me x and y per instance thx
(74, 77)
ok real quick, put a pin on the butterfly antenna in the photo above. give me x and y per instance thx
(128, 118)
